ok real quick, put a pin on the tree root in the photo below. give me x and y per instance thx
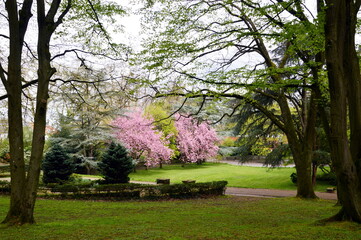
(17, 221)
(341, 216)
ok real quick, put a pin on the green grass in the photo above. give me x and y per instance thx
(237, 176)
(215, 218)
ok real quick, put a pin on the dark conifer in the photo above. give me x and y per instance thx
(116, 164)
(57, 165)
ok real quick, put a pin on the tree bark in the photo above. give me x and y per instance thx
(303, 160)
(301, 144)
(17, 26)
(45, 72)
(24, 186)
(314, 173)
(344, 83)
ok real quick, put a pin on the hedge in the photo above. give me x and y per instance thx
(135, 191)
(127, 191)
(5, 168)
(4, 187)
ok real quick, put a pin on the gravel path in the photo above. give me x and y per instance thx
(265, 193)
(248, 164)
(273, 193)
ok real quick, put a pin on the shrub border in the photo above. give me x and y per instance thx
(134, 191)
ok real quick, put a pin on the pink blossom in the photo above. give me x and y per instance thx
(139, 136)
(195, 141)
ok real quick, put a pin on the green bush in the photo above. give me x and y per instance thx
(116, 165)
(5, 169)
(5, 187)
(227, 151)
(293, 177)
(229, 142)
(330, 178)
(65, 188)
(136, 191)
(57, 165)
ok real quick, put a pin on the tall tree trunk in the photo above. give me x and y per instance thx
(344, 83)
(304, 180)
(303, 160)
(301, 144)
(314, 173)
(307, 147)
(45, 72)
(24, 186)
(17, 29)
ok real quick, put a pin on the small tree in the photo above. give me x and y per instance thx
(57, 165)
(159, 111)
(196, 142)
(139, 136)
(116, 164)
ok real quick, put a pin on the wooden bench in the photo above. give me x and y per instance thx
(163, 181)
(188, 181)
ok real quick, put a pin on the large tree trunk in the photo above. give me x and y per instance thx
(17, 29)
(314, 173)
(344, 83)
(45, 72)
(307, 146)
(301, 145)
(24, 186)
(304, 179)
(303, 161)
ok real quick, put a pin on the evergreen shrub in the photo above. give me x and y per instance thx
(4, 187)
(116, 165)
(138, 191)
(57, 165)
(293, 177)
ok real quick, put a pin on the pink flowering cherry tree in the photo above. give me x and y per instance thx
(196, 142)
(139, 136)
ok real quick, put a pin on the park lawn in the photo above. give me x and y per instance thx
(226, 217)
(237, 176)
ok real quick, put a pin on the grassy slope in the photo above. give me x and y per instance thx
(237, 176)
(218, 218)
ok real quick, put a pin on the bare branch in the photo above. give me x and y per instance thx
(227, 114)
(174, 112)
(245, 85)
(75, 50)
(357, 6)
(78, 93)
(24, 17)
(3, 78)
(100, 93)
(101, 25)
(25, 44)
(275, 119)
(296, 13)
(71, 81)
